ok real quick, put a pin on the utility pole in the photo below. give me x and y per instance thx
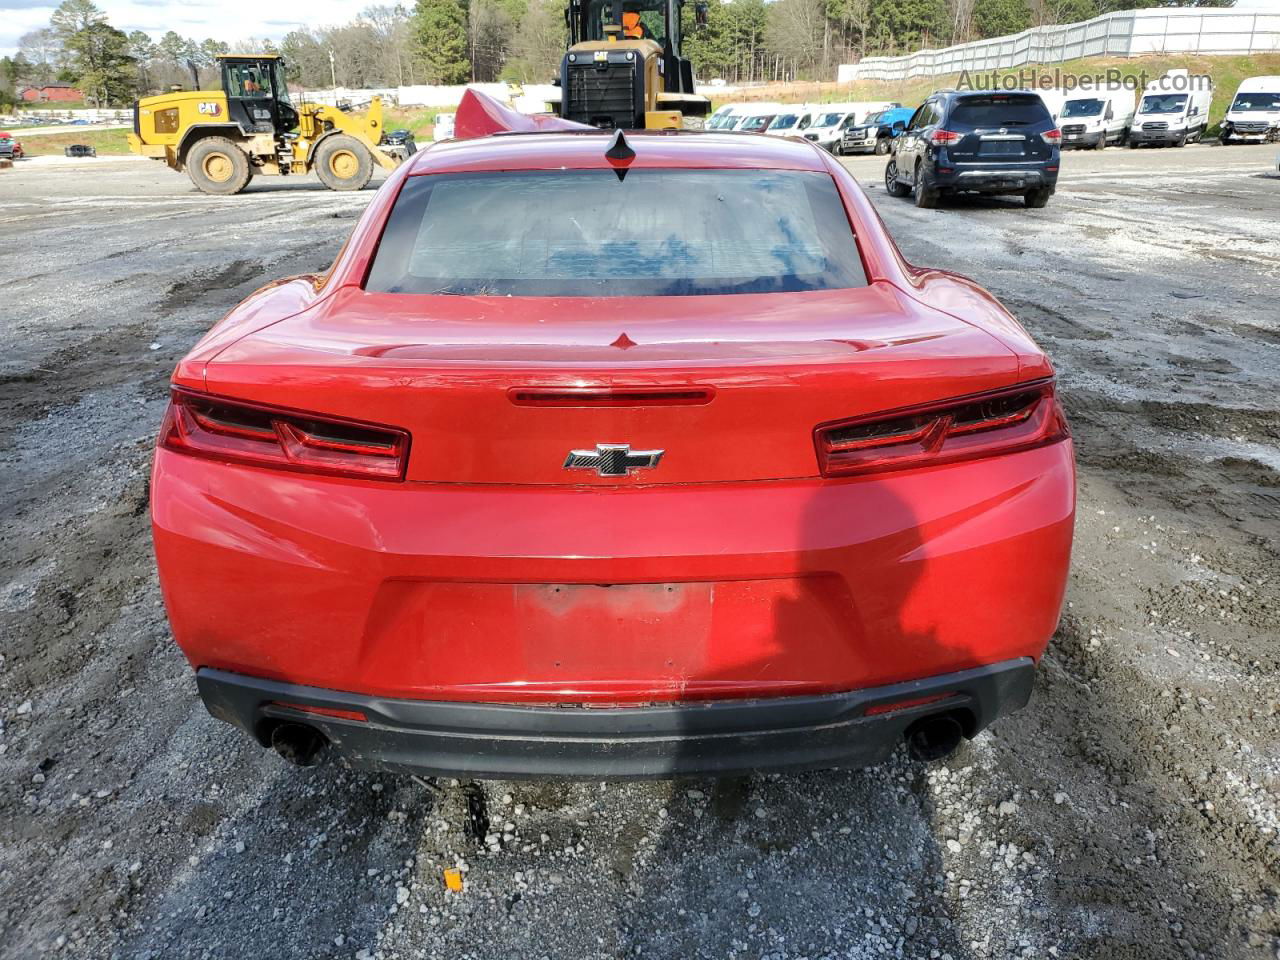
(333, 72)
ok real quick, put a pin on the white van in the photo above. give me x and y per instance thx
(731, 118)
(1096, 118)
(1173, 110)
(830, 120)
(792, 121)
(725, 114)
(1254, 115)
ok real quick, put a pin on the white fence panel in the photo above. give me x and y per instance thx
(1125, 33)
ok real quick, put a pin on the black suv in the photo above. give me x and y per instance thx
(975, 142)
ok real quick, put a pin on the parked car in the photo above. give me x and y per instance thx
(717, 117)
(973, 142)
(756, 122)
(1174, 110)
(399, 143)
(728, 116)
(877, 133)
(791, 122)
(829, 125)
(1096, 119)
(1254, 114)
(10, 147)
(514, 462)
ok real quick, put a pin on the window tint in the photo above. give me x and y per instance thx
(587, 233)
(998, 111)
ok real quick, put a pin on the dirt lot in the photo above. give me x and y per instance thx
(1131, 811)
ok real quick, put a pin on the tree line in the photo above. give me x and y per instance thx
(456, 41)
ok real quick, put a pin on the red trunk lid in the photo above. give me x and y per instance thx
(499, 390)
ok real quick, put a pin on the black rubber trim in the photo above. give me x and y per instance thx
(715, 738)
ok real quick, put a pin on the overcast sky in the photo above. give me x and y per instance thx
(228, 20)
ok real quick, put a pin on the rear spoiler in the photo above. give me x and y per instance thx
(480, 115)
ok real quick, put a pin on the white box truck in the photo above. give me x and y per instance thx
(1096, 118)
(1254, 115)
(1174, 110)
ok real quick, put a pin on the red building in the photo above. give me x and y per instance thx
(51, 93)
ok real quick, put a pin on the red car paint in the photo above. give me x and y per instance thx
(489, 573)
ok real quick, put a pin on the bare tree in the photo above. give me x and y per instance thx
(794, 34)
(961, 21)
(391, 26)
(540, 42)
(43, 51)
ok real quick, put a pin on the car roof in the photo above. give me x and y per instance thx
(585, 151)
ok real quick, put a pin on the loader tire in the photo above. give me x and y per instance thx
(343, 163)
(216, 165)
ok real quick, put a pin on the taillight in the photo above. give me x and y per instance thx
(1003, 421)
(264, 436)
(942, 137)
(1052, 137)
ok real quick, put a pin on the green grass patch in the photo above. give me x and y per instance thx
(104, 141)
(420, 120)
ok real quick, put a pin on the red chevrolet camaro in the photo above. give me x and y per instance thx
(615, 457)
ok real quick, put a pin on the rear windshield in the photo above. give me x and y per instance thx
(585, 233)
(998, 111)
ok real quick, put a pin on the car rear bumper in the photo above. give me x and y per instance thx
(989, 178)
(716, 738)
(564, 595)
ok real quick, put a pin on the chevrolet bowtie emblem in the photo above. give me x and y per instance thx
(612, 459)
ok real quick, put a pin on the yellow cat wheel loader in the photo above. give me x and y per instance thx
(222, 138)
(624, 70)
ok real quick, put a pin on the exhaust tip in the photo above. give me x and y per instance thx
(298, 743)
(934, 738)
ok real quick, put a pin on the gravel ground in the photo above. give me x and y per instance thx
(1130, 811)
